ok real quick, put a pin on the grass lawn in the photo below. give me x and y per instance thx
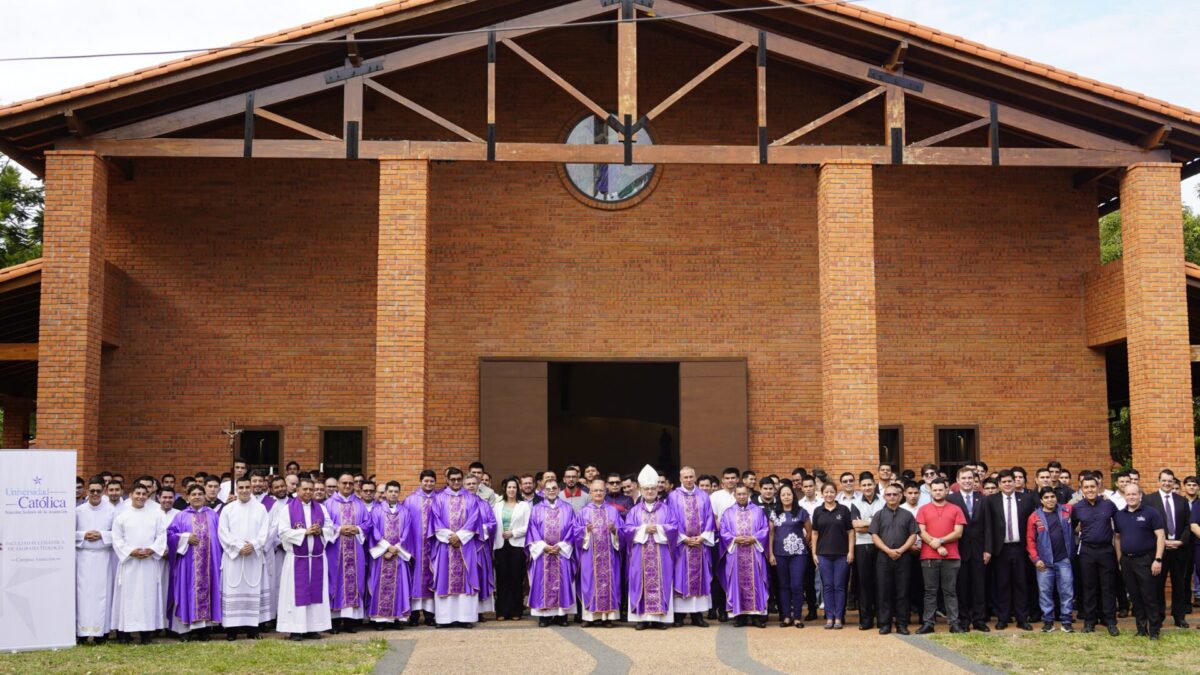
(1063, 654)
(218, 656)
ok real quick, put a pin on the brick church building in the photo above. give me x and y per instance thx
(600, 231)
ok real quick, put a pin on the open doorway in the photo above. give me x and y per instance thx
(616, 415)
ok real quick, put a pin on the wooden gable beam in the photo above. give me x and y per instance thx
(860, 70)
(951, 133)
(895, 62)
(830, 116)
(696, 81)
(76, 124)
(19, 351)
(554, 77)
(423, 111)
(627, 66)
(1157, 138)
(294, 125)
(353, 56)
(316, 82)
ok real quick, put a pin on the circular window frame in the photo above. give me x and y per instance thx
(587, 200)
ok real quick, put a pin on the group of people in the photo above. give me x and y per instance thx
(303, 553)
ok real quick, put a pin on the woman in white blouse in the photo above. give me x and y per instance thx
(512, 519)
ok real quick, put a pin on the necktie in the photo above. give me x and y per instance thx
(1010, 517)
(1170, 516)
(970, 506)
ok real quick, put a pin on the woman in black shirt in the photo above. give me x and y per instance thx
(833, 551)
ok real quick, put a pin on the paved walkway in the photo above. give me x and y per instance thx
(721, 648)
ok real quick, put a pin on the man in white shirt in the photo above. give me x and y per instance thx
(225, 493)
(721, 500)
(94, 565)
(863, 508)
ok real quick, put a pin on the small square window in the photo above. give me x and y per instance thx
(891, 445)
(957, 447)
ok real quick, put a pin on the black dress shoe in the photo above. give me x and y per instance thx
(1025, 625)
(981, 626)
(811, 616)
(864, 626)
(886, 630)
(1113, 630)
(295, 637)
(231, 635)
(901, 629)
(1181, 623)
(559, 621)
(254, 634)
(379, 625)
(1089, 627)
(659, 625)
(760, 622)
(100, 640)
(312, 636)
(348, 626)
(739, 621)
(957, 629)
(543, 621)
(925, 629)
(678, 620)
(1001, 625)
(145, 637)
(465, 624)
(698, 620)
(429, 619)
(1154, 635)
(641, 625)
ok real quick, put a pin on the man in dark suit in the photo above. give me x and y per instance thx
(971, 607)
(1005, 514)
(1177, 557)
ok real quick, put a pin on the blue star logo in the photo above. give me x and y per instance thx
(37, 480)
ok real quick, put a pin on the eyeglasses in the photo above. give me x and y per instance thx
(614, 482)
(930, 473)
(847, 481)
(95, 492)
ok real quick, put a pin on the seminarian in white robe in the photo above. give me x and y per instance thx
(137, 600)
(165, 588)
(315, 617)
(244, 580)
(94, 569)
(274, 557)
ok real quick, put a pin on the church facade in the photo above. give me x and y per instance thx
(436, 231)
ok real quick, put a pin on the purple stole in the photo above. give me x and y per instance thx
(389, 571)
(456, 513)
(551, 569)
(652, 572)
(201, 562)
(348, 554)
(692, 554)
(744, 527)
(426, 546)
(310, 564)
(268, 501)
(601, 560)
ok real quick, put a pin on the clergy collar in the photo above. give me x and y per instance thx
(453, 493)
(552, 503)
(687, 491)
(649, 506)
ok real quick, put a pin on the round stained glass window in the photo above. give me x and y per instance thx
(607, 185)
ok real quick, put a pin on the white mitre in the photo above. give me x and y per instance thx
(648, 477)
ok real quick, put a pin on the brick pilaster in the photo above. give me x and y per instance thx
(400, 321)
(16, 422)
(849, 371)
(72, 304)
(1156, 320)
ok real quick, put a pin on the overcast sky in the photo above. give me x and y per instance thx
(1121, 42)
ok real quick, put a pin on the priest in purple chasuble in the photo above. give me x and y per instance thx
(346, 556)
(453, 522)
(744, 531)
(195, 567)
(483, 545)
(599, 559)
(303, 526)
(693, 554)
(549, 543)
(420, 505)
(650, 534)
(391, 538)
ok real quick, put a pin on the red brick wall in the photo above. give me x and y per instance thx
(1160, 377)
(1104, 308)
(250, 296)
(849, 373)
(979, 275)
(69, 366)
(16, 422)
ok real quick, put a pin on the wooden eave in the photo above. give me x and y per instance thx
(28, 132)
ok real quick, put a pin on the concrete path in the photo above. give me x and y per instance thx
(496, 647)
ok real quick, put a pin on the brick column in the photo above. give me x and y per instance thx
(1156, 320)
(400, 318)
(72, 304)
(16, 422)
(849, 374)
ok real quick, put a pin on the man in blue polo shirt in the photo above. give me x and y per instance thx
(1092, 517)
(1141, 538)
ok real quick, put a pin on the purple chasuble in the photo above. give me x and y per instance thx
(196, 575)
(309, 555)
(551, 576)
(600, 565)
(419, 505)
(693, 564)
(390, 579)
(745, 569)
(487, 520)
(455, 570)
(345, 558)
(650, 564)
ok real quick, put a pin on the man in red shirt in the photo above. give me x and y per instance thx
(941, 524)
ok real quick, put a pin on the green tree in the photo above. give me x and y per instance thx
(21, 210)
(1110, 236)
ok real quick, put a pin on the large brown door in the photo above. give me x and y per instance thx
(513, 424)
(713, 432)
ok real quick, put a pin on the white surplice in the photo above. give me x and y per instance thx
(274, 559)
(137, 600)
(310, 618)
(244, 582)
(94, 569)
(165, 587)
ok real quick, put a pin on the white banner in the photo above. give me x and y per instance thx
(37, 549)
